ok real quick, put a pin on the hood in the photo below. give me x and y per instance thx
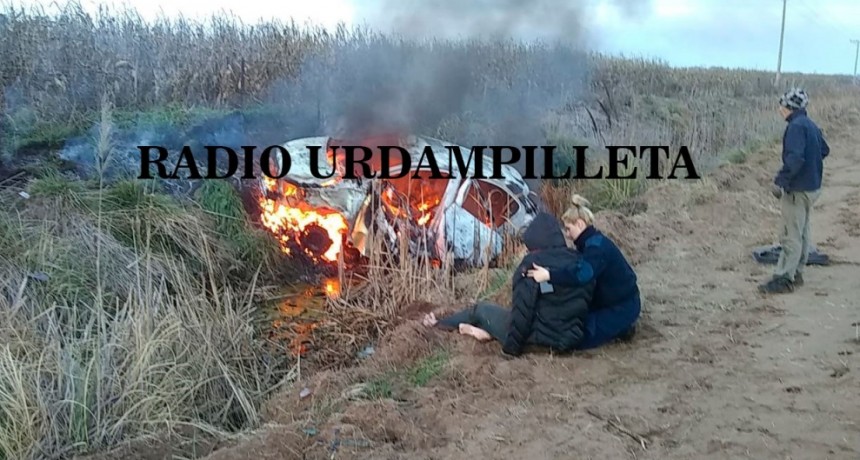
(544, 232)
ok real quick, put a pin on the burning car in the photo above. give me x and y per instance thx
(466, 217)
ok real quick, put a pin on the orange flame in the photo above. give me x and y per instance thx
(290, 218)
(332, 288)
(421, 210)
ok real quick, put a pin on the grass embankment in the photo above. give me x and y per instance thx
(125, 313)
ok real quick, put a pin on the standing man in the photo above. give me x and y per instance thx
(797, 186)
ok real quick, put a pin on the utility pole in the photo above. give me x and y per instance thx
(781, 37)
(856, 55)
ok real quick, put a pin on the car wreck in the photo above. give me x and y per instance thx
(465, 217)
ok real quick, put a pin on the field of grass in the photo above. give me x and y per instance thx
(125, 312)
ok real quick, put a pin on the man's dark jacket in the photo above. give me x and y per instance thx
(803, 152)
(556, 319)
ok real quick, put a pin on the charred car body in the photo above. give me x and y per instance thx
(466, 217)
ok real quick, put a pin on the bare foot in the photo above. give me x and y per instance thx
(429, 320)
(476, 332)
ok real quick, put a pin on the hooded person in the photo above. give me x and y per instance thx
(541, 314)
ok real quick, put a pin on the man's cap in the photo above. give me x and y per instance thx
(795, 98)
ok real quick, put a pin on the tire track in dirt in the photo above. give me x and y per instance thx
(802, 375)
(849, 214)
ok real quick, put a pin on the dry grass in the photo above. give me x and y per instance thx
(124, 315)
(380, 296)
(373, 301)
(157, 346)
(119, 320)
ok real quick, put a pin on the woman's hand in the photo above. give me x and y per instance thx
(539, 273)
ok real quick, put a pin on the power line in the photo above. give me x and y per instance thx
(856, 55)
(781, 40)
(816, 18)
(820, 20)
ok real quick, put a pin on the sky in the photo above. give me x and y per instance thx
(725, 33)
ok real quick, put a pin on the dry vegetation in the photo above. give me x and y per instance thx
(124, 313)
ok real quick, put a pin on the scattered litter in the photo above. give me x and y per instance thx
(24, 195)
(311, 431)
(305, 393)
(354, 442)
(350, 442)
(366, 353)
(769, 255)
(39, 276)
(355, 392)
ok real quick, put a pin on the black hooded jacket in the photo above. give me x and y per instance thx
(555, 319)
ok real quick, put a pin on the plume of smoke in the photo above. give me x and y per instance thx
(487, 89)
(549, 20)
(456, 89)
(634, 8)
(125, 161)
(381, 86)
(545, 20)
(467, 92)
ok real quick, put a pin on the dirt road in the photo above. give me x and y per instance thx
(717, 371)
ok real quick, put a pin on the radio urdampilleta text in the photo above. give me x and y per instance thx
(480, 162)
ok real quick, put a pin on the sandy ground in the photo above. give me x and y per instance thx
(717, 370)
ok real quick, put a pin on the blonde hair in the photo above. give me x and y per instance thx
(578, 210)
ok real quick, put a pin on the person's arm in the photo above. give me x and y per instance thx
(524, 300)
(825, 148)
(589, 266)
(795, 145)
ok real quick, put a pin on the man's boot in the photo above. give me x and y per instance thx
(777, 285)
(798, 280)
(628, 335)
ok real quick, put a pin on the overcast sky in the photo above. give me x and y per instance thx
(732, 33)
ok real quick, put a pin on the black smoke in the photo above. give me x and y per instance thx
(457, 70)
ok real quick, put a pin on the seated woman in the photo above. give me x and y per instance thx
(616, 305)
(542, 314)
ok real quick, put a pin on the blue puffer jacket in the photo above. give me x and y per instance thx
(616, 282)
(803, 152)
